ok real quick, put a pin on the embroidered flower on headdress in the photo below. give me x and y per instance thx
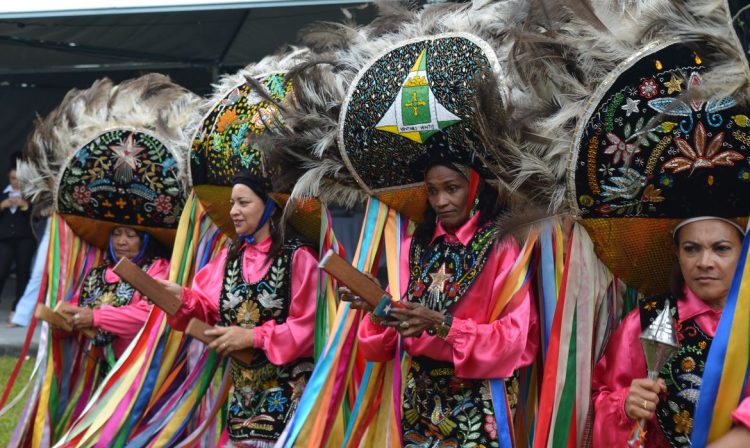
(163, 204)
(648, 88)
(81, 195)
(451, 289)
(226, 119)
(621, 150)
(744, 175)
(702, 155)
(665, 180)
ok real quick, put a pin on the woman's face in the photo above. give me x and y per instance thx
(448, 194)
(126, 242)
(708, 252)
(247, 209)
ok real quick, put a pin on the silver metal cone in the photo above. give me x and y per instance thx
(659, 340)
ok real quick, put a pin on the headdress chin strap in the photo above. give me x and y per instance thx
(250, 238)
(144, 244)
(705, 218)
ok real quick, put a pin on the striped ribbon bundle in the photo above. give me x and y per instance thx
(63, 376)
(333, 381)
(582, 319)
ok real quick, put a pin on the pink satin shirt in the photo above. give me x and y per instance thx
(282, 343)
(126, 321)
(479, 349)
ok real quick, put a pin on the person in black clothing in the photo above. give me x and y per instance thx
(17, 241)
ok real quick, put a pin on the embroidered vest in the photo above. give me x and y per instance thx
(440, 273)
(96, 291)
(440, 409)
(682, 374)
(264, 396)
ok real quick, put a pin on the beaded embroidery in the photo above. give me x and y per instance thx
(440, 274)
(96, 291)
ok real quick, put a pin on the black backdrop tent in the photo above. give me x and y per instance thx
(46, 53)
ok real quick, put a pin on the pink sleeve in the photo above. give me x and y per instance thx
(622, 362)
(377, 343)
(127, 320)
(741, 415)
(293, 339)
(202, 299)
(495, 349)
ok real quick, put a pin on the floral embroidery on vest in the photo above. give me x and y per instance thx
(683, 374)
(264, 396)
(96, 291)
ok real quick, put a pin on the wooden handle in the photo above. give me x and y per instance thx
(197, 329)
(147, 286)
(358, 282)
(55, 319)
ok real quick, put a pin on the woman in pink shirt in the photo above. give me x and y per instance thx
(708, 249)
(111, 306)
(456, 265)
(262, 295)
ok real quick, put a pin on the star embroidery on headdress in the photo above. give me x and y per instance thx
(674, 85)
(126, 161)
(415, 113)
(630, 107)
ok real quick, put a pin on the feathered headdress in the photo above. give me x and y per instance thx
(345, 58)
(235, 133)
(602, 115)
(113, 155)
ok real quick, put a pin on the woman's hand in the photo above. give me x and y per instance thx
(414, 319)
(78, 317)
(231, 339)
(356, 302)
(643, 397)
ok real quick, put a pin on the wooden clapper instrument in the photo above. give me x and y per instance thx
(56, 319)
(162, 298)
(359, 284)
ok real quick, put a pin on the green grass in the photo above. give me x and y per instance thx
(8, 421)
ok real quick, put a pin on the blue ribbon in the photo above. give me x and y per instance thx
(500, 403)
(549, 285)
